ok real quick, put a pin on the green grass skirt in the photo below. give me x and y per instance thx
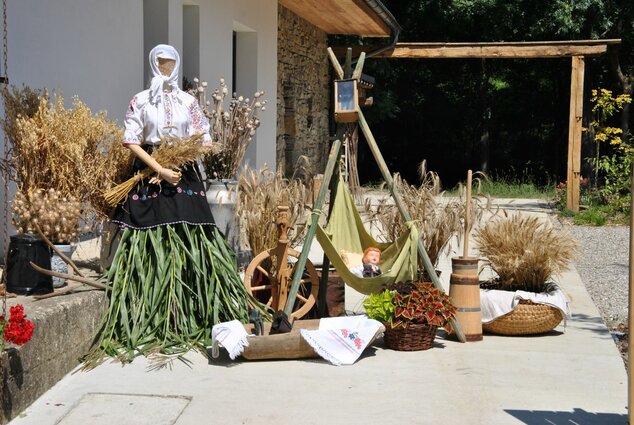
(170, 285)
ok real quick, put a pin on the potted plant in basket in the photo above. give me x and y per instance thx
(525, 253)
(411, 312)
(232, 130)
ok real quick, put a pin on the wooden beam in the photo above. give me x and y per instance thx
(494, 50)
(335, 63)
(333, 160)
(630, 305)
(574, 133)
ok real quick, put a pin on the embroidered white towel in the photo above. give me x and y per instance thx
(341, 340)
(230, 335)
(495, 303)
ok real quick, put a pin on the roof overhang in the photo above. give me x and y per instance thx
(358, 17)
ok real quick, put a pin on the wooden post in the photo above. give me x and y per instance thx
(422, 254)
(574, 133)
(347, 66)
(630, 313)
(335, 63)
(333, 160)
(467, 215)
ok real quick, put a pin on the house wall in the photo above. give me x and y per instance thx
(256, 26)
(97, 50)
(303, 86)
(73, 47)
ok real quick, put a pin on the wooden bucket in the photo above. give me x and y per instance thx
(464, 291)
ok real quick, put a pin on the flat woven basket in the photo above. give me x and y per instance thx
(527, 318)
(414, 337)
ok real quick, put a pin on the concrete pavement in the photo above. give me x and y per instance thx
(573, 375)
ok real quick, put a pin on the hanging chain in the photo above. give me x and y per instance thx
(5, 235)
(5, 92)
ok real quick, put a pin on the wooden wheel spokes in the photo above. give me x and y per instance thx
(266, 287)
(260, 288)
(264, 272)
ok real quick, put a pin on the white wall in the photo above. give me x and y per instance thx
(89, 48)
(219, 18)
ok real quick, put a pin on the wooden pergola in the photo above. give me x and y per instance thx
(577, 50)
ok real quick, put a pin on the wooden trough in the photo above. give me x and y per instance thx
(284, 346)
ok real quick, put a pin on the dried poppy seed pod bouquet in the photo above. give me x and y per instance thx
(231, 131)
(56, 215)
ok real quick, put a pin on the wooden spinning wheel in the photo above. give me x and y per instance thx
(268, 276)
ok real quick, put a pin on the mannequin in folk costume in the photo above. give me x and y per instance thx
(173, 275)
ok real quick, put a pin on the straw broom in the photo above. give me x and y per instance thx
(173, 152)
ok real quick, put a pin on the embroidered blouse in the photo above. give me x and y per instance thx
(176, 113)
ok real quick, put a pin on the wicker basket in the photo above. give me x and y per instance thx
(527, 318)
(414, 337)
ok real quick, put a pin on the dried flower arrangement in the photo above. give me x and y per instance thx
(438, 219)
(57, 216)
(232, 130)
(72, 151)
(525, 252)
(259, 194)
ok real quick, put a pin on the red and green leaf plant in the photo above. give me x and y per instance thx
(411, 302)
(423, 303)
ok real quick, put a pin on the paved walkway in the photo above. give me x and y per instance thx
(574, 375)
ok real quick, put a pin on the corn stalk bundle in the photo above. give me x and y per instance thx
(170, 285)
(172, 153)
(525, 252)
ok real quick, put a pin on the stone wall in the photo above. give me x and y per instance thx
(65, 328)
(303, 93)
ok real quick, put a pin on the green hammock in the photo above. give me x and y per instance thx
(345, 231)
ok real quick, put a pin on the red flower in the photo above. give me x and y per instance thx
(19, 330)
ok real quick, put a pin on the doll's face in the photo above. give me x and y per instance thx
(372, 257)
(166, 66)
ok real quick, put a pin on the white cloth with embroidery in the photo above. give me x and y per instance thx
(496, 303)
(341, 340)
(230, 335)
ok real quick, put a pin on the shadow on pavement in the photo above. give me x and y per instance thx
(576, 417)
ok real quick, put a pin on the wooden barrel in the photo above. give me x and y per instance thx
(464, 291)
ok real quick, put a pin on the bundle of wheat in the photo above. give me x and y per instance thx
(438, 219)
(173, 152)
(259, 194)
(525, 252)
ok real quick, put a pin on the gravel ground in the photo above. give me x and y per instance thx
(603, 267)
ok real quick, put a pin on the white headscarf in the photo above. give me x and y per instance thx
(158, 80)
